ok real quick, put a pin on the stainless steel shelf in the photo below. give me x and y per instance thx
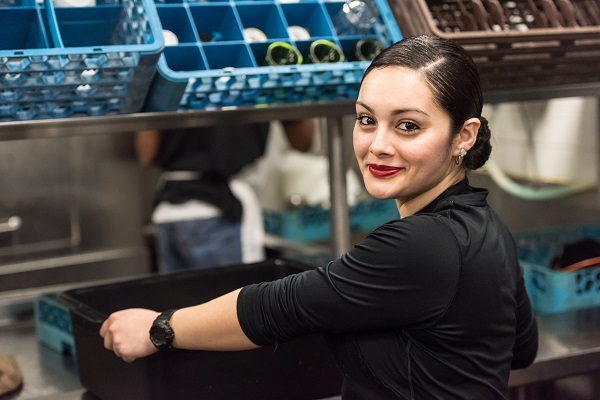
(37, 129)
(543, 93)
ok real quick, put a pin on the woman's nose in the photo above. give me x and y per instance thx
(381, 145)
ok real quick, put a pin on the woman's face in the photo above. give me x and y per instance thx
(402, 138)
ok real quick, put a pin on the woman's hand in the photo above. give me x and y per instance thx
(127, 333)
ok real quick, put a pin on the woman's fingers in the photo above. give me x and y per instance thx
(125, 333)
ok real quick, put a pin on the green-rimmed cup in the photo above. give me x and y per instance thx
(325, 51)
(368, 49)
(282, 53)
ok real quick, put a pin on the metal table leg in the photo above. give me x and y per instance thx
(340, 224)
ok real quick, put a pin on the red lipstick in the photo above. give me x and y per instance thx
(383, 171)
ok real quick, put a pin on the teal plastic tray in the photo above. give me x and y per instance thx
(553, 291)
(60, 62)
(53, 325)
(313, 223)
(227, 71)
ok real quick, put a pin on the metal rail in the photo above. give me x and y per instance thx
(36, 129)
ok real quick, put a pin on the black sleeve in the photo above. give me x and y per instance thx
(402, 275)
(526, 341)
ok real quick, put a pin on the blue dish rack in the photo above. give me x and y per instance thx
(552, 291)
(61, 62)
(310, 224)
(230, 72)
(53, 325)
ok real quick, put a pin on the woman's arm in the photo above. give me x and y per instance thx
(300, 133)
(526, 340)
(146, 146)
(209, 326)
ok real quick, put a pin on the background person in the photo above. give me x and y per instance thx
(206, 212)
(431, 305)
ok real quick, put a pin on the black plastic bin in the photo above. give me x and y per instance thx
(299, 369)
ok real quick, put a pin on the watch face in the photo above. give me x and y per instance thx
(161, 335)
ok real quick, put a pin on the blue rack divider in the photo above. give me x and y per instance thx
(61, 62)
(213, 67)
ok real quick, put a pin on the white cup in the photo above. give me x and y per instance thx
(171, 39)
(253, 35)
(298, 33)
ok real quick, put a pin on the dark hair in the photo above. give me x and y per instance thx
(454, 81)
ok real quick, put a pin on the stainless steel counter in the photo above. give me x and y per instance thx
(46, 373)
(569, 345)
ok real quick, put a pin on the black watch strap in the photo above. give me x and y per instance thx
(166, 315)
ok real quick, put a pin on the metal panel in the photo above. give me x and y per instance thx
(78, 202)
(39, 205)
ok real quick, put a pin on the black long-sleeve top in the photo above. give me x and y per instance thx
(215, 153)
(429, 306)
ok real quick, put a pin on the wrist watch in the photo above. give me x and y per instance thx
(161, 333)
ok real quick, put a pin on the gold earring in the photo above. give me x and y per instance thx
(458, 159)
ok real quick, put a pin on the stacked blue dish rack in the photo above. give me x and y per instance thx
(61, 62)
(228, 71)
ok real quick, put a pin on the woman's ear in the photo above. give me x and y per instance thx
(467, 135)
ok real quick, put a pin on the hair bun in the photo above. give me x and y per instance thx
(481, 150)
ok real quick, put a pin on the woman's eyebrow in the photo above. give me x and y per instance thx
(395, 112)
(360, 103)
(406, 110)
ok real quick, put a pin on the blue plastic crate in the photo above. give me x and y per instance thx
(305, 225)
(313, 223)
(366, 216)
(224, 70)
(553, 291)
(61, 62)
(53, 324)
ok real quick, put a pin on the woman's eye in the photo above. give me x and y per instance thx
(408, 126)
(365, 120)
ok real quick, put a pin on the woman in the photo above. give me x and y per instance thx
(431, 305)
